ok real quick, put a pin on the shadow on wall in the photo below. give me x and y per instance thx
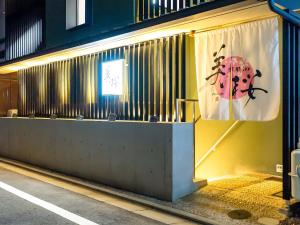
(250, 147)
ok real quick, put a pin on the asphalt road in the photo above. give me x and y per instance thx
(26, 201)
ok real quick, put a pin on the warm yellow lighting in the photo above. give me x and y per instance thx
(227, 15)
(14, 68)
(209, 180)
(57, 58)
(33, 63)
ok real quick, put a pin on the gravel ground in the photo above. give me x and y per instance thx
(292, 221)
(258, 194)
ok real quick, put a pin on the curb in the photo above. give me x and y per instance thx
(94, 186)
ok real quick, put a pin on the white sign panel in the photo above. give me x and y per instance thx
(112, 77)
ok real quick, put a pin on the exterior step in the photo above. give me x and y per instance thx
(200, 183)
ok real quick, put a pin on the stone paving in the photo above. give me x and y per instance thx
(259, 194)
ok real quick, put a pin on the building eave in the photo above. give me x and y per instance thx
(165, 25)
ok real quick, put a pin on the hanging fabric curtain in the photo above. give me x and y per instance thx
(239, 66)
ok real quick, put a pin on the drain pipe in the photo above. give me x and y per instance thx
(213, 148)
(287, 14)
(295, 172)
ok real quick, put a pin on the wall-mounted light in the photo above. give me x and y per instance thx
(53, 116)
(79, 117)
(153, 119)
(112, 117)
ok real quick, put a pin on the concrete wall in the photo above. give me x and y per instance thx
(154, 159)
(106, 16)
(251, 147)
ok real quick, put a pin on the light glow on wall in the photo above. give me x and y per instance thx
(200, 21)
(112, 77)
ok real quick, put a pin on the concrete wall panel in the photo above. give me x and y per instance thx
(154, 159)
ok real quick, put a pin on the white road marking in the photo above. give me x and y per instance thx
(46, 205)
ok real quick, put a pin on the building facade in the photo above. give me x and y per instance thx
(57, 50)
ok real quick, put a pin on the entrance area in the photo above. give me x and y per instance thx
(241, 160)
(258, 194)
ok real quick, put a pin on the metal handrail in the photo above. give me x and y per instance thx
(179, 100)
(287, 14)
(213, 147)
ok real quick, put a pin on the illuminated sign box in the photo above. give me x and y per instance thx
(112, 77)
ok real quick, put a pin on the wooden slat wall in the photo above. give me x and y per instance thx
(154, 78)
(8, 93)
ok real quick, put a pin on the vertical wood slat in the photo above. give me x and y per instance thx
(149, 9)
(161, 79)
(144, 84)
(174, 63)
(182, 85)
(167, 84)
(125, 81)
(138, 83)
(147, 4)
(132, 83)
(138, 8)
(169, 6)
(154, 78)
(156, 8)
(181, 4)
(155, 61)
(163, 7)
(150, 78)
(175, 5)
(24, 33)
(25, 77)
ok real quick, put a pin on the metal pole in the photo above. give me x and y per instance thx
(194, 139)
(194, 124)
(177, 120)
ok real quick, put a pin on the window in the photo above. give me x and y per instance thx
(75, 13)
